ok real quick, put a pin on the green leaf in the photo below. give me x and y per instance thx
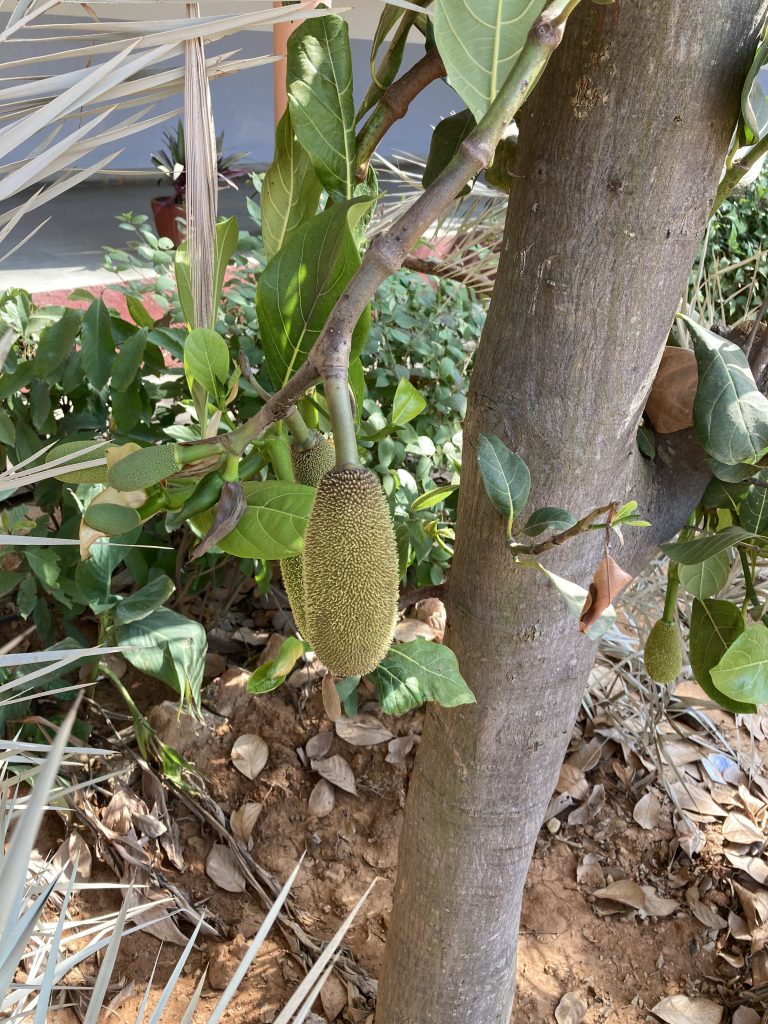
(300, 286)
(506, 477)
(226, 245)
(45, 564)
(544, 519)
(183, 268)
(26, 596)
(707, 578)
(430, 498)
(97, 344)
(753, 510)
(416, 672)
(7, 429)
(715, 625)
(730, 474)
(9, 580)
(742, 672)
(273, 524)
(141, 317)
(272, 674)
(646, 442)
(690, 552)
(168, 647)
(754, 107)
(407, 403)
(128, 361)
(446, 139)
(384, 75)
(720, 494)
(290, 191)
(127, 406)
(575, 597)
(56, 342)
(206, 359)
(111, 519)
(730, 415)
(144, 601)
(321, 101)
(479, 41)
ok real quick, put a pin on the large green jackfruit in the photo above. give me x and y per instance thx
(351, 572)
(663, 659)
(70, 475)
(144, 468)
(309, 466)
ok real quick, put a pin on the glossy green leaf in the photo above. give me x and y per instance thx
(754, 106)
(720, 494)
(446, 139)
(272, 674)
(416, 672)
(544, 519)
(226, 245)
(144, 601)
(730, 474)
(169, 647)
(433, 497)
(690, 552)
(139, 313)
(273, 524)
(715, 625)
(646, 441)
(506, 477)
(183, 270)
(111, 519)
(300, 286)
(128, 361)
(384, 74)
(730, 415)
(407, 403)
(97, 344)
(206, 359)
(290, 191)
(742, 672)
(707, 578)
(479, 41)
(56, 342)
(753, 510)
(321, 101)
(575, 598)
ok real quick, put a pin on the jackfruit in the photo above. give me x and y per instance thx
(111, 520)
(93, 475)
(350, 572)
(663, 659)
(309, 465)
(144, 468)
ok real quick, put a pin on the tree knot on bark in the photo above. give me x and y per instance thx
(547, 33)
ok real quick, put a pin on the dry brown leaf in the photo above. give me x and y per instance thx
(249, 754)
(243, 820)
(588, 755)
(746, 1015)
(432, 611)
(362, 731)
(222, 868)
(755, 905)
(658, 906)
(760, 969)
(321, 799)
(399, 748)
(625, 891)
(733, 959)
(607, 583)
(74, 850)
(689, 835)
(708, 916)
(589, 810)
(679, 1009)
(646, 811)
(333, 996)
(336, 770)
(119, 812)
(739, 829)
(155, 920)
(320, 745)
(572, 782)
(331, 700)
(670, 403)
(413, 629)
(755, 867)
(571, 1009)
(693, 797)
(589, 872)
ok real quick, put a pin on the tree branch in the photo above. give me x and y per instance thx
(394, 104)
(737, 171)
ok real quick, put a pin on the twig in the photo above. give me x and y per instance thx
(394, 104)
(737, 171)
(438, 268)
(756, 327)
(574, 531)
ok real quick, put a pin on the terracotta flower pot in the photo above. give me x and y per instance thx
(170, 219)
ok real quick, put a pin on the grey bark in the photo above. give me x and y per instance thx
(620, 153)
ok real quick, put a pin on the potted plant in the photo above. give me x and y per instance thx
(169, 211)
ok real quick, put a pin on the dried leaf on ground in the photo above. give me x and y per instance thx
(331, 701)
(754, 904)
(708, 916)
(689, 835)
(399, 748)
(658, 906)
(607, 583)
(588, 755)
(432, 611)
(243, 820)
(119, 813)
(589, 873)
(362, 731)
(746, 1015)
(738, 927)
(739, 829)
(679, 1009)
(74, 850)
(249, 754)
(670, 402)
(755, 867)
(589, 810)
(319, 745)
(333, 996)
(336, 770)
(321, 799)
(413, 629)
(571, 1009)
(646, 811)
(157, 921)
(572, 782)
(223, 869)
(625, 891)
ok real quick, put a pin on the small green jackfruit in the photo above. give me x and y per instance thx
(309, 466)
(351, 572)
(94, 475)
(111, 519)
(663, 660)
(144, 468)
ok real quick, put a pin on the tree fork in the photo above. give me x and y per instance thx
(620, 153)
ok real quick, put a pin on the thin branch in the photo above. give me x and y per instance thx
(756, 326)
(394, 104)
(737, 171)
(411, 597)
(583, 525)
(449, 271)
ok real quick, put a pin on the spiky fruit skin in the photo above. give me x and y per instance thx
(350, 572)
(663, 660)
(309, 466)
(94, 475)
(144, 468)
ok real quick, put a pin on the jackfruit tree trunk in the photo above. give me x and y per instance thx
(620, 153)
